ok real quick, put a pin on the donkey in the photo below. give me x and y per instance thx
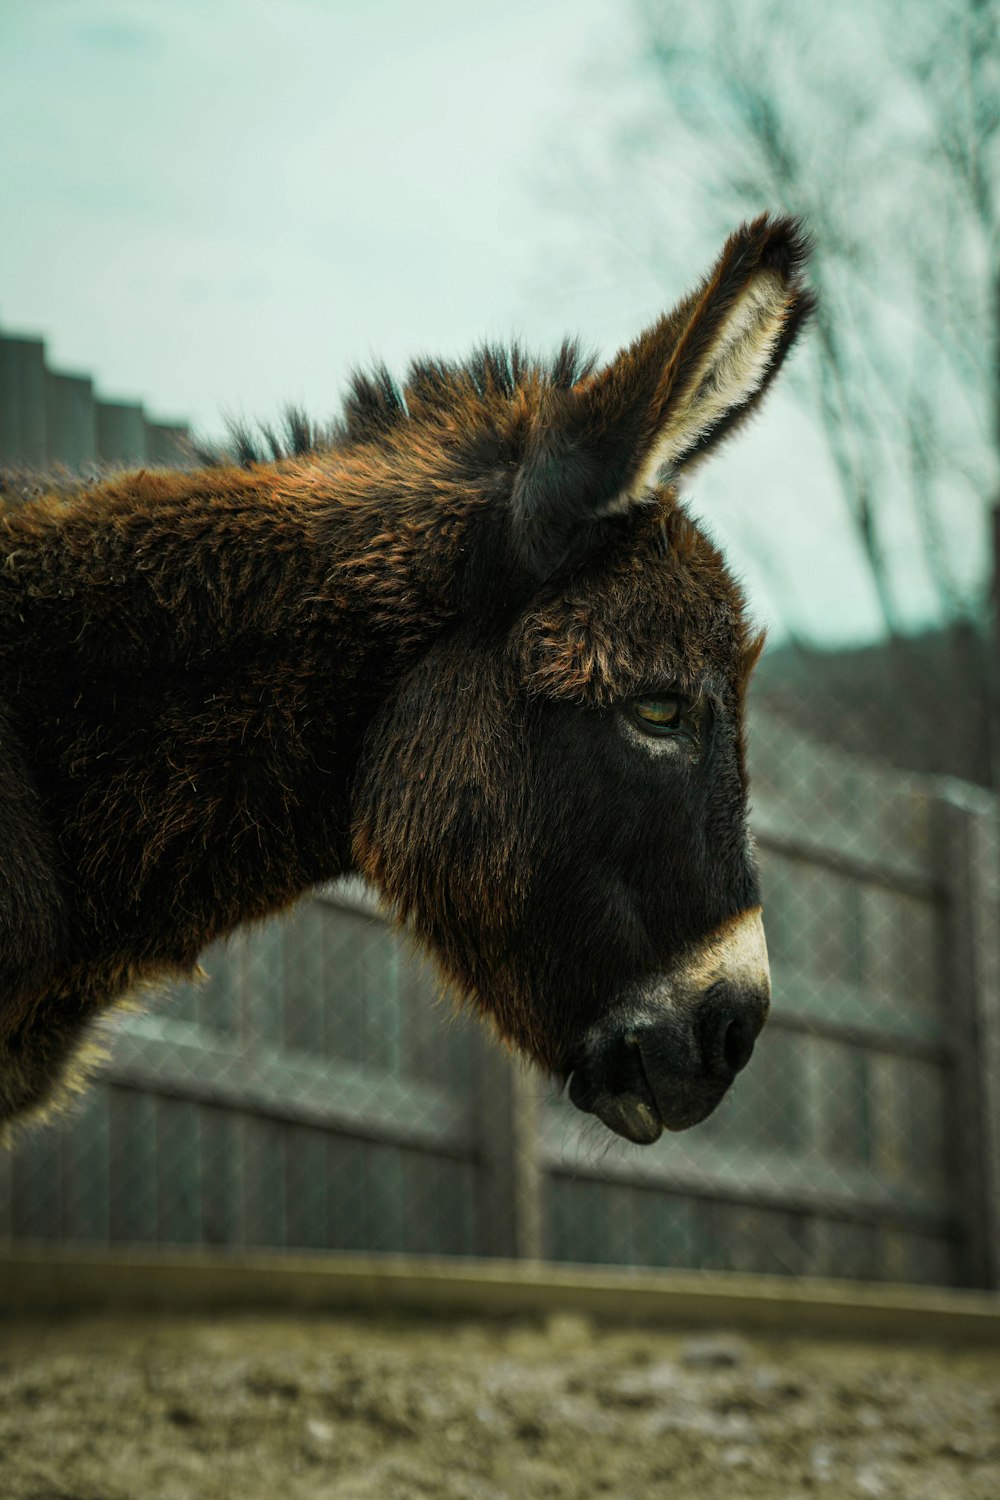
(472, 648)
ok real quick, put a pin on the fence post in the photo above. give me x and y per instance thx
(165, 443)
(121, 432)
(22, 401)
(72, 418)
(509, 1175)
(6, 1218)
(969, 845)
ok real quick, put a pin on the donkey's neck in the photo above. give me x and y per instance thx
(219, 563)
(207, 651)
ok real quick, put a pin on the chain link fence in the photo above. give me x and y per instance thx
(314, 1093)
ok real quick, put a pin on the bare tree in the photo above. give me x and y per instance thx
(877, 121)
(879, 125)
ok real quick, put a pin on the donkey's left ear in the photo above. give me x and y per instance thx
(669, 398)
(710, 361)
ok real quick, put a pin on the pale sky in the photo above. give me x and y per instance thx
(220, 207)
(226, 205)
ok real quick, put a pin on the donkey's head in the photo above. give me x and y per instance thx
(555, 799)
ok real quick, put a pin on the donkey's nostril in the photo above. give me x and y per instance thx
(737, 1044)
(727, 1028)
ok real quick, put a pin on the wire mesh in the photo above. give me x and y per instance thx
(313, 1093)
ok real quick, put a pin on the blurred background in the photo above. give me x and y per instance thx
(212, 211)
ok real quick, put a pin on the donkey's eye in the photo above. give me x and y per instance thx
(664, 715)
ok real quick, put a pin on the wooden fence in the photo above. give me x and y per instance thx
(50, 417)
(314, 1094)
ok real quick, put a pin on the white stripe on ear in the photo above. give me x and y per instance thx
(734, 368)
(667, 399)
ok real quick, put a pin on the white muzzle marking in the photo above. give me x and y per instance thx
(735, 952)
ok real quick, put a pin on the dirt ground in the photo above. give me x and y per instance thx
(278, 1408)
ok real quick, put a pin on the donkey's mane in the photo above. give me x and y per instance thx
(376, 402)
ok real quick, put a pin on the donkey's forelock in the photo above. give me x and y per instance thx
(660, 608)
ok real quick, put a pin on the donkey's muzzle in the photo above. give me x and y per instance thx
(670, 1073)
(669, 1061)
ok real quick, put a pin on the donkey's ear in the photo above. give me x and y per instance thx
(668, 398)
(703, 368)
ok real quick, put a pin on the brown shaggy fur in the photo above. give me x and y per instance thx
(218, 688)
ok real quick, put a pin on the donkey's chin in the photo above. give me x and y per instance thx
(630, 1116)
(631, 1096)
(639, 1118)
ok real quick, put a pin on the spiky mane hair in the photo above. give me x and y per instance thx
(376, 402)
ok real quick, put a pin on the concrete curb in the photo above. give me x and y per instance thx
(40, 1279)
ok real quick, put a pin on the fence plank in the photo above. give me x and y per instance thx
(184, 1061)
(263, 1182)
(71, 419)
(970, 986)
(133, 1176)
(22, 402)
(306, 1188)
(36, 1198)
(166, 443)
(178, 1172)
(6, 1219)
(121, 432)
(306, 979)
(222, 1200)
(86, 1153)
(837, 811)
(849, 1013)
(384, 1207)
(801, 1184)
(345, 1169)
(510, 1177)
